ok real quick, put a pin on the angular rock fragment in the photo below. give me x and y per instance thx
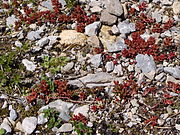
(126, 27)
(93, 80)
(42, 42)
(109, 66)
(29, 65)
(72, 37)
(117, 46)
(107, 18)
(10, 21)
(29, 124)
(66, 127)
(174, 71)
(33, 35)
(145, 63)
(92, 29)
(176, 7)
(114, 7)
(96, 60)
(82, 109)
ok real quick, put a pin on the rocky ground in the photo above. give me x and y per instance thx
(89, 67)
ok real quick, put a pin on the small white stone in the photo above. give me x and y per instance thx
(176, 7)
(130, 124)
(160, 76)
(115, 29)
(33, 26)
(118, 70)
(41, 119)
(134, 103)
(160, 122)
(67, 127)
(177, 126)
(13, 114)
(165, 18)
(96, 9)
(90, 124)
(29, 65)
(96, 60)
(3, 96)
(133, 110)
(165, 116)
(67, 67)
(6, 126)
(10, 21)
(19, 126)
(121, 130)
(169, 110)
(109, 66)
(42, 42)
(27, 108)
(131, 68)
(18, 44)
(29, 124)
(5, 105)
(83, 110)
(141, 78)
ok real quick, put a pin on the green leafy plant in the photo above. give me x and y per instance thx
(70, 3)
(9, 75)
(2, 131)
(11, 67)
(54, 64)
(53, 117)
(80, 125)
(82, 129)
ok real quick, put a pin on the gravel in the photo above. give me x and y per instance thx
(122, 73)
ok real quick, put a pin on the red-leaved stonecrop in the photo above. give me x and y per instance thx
(57, 15)
(161, 51)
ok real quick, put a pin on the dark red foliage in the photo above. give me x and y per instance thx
(79, 118)
(175, 87)
(77, 15)
(166, 95)
(32, 97)
(148, 90)
(152, 121)
(45, 92)
(125, 90)
(139, 46)
(171, 55)
(132, 11)
(98, 50)
(94, 108)
(5, 5)
(142, 6)
(56, 5)
(168, 25)
(157, 28)
(167, 41)
(167, 102)
(143, 18)
(140, 26)
(82, 95)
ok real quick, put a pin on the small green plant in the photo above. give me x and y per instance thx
(70, 3)
(11, 68)
(82, 129)
(2, 131)
(80, 125)
(54, 64)
(53, 117)
(9, 73)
